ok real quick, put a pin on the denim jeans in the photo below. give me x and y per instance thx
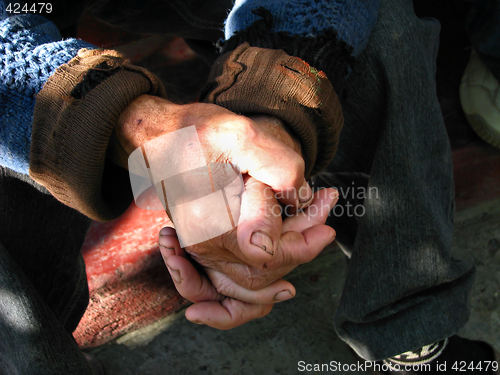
(403, 287)
(483, 29)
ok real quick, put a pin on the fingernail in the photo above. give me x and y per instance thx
(305, 193)
(197, 322)
(167, 231)
(283, 295)
(176, 275)
(263, 241)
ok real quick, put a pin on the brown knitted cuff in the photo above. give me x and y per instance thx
(253, 80)
(74, 117)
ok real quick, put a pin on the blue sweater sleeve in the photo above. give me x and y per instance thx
(31, 50)
(352, 20)
(328, 34)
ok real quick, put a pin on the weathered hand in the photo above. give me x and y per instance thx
(246, 262)
(262, 150)
(219, 301)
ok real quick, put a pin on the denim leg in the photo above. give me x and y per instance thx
(33, 340)
(44, 238)
(43, 285)
(483, 29)
(403, 288)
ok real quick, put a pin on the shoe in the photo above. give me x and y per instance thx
(454, 355)
(480, 99)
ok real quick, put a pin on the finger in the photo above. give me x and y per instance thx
(227, 314)
(278, 291)
(316, 213)
(298, 248)
(195, 287)
(275, 164)
(259, 224)
(188, 281)
(169, 241)
(294, 249)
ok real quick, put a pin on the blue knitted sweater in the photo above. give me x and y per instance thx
(31, 49)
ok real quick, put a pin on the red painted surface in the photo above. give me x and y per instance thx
(121, 248)
(128, 282)
(127, 305)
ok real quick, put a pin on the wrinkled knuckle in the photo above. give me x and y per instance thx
(247, 130)
(298, 168)
(248, 283)
(256, 283)
(281, 258)
(224, 288)
(295, 172)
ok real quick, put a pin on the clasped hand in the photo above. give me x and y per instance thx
(241, 271)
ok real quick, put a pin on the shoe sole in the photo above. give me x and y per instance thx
(478, 92)
(483, 130)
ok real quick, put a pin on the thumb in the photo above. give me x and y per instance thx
(259, 225)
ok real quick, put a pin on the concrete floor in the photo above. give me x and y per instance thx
(301, 329)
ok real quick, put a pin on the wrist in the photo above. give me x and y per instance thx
(276, 128)
(136, 125)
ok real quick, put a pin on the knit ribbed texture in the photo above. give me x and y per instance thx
(352, 20)
(268, 81)
(72, 128)
(325, 52)
(31, 50)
